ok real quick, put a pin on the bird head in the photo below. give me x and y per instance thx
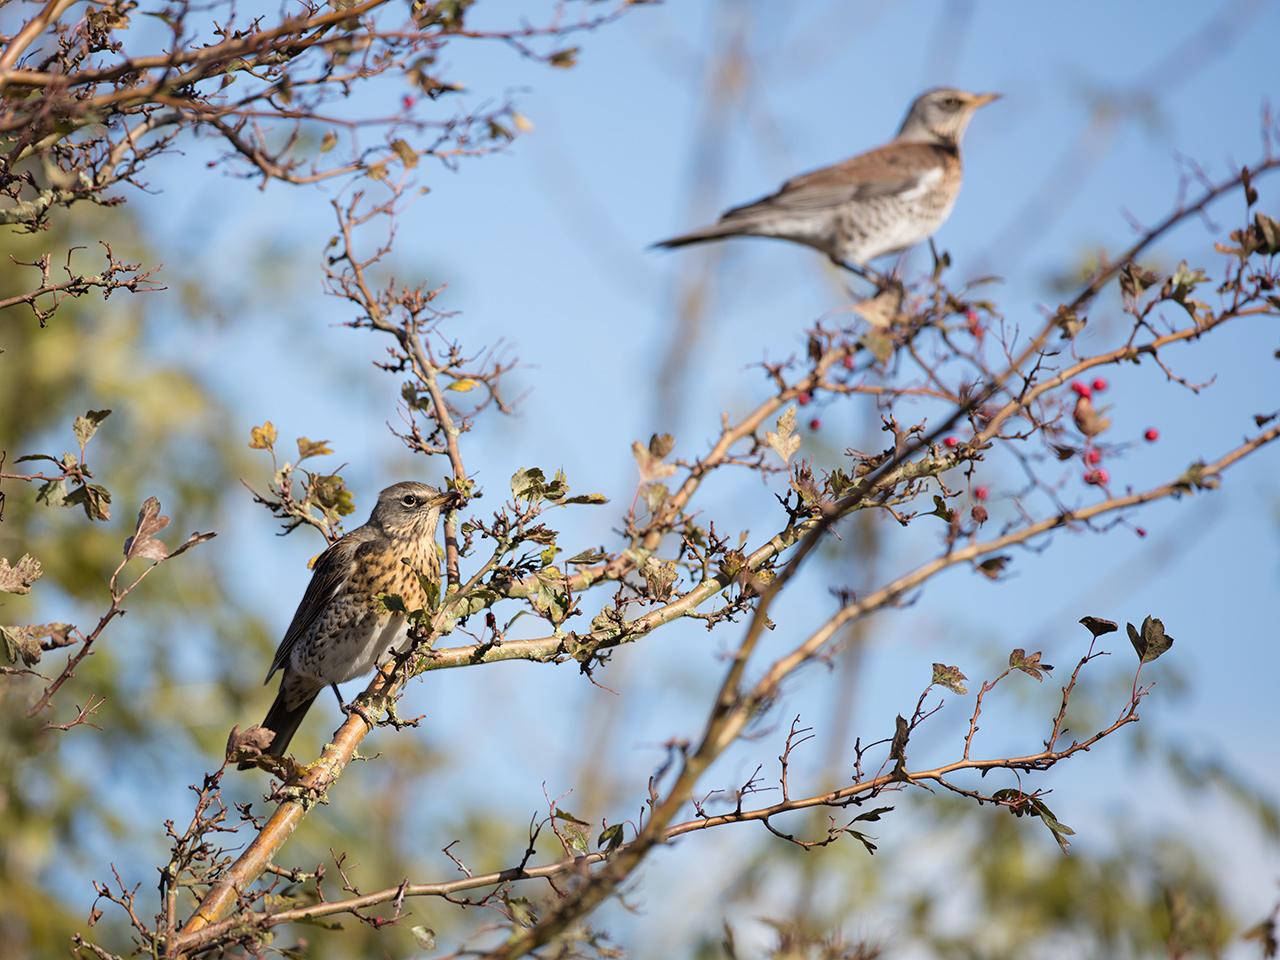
(941, 116)
(411, 509)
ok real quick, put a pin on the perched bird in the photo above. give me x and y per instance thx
(341, 630)
(878, 202)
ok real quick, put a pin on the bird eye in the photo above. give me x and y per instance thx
(951, 103)
(409, 500)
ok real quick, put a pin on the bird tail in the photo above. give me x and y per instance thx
(717, 231)
(283, 722)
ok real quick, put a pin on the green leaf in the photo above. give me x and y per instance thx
(331, 493)
(95, 499)
(85, 427)
(424, 936)
(587, 557)
(587, 498)
(940, 509)
(52, 493)
(1152, 642)
(611, 837)
(392, 602)
(408, 156)
(528, 483)
(564, 59)
(949, 677)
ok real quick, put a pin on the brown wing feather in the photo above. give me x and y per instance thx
(885, 171)
(332, 568)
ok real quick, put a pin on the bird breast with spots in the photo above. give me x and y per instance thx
(355, 630)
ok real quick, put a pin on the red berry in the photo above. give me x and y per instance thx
(950, 443)
(815, 424)
(804, 398)
(407, 102)
(1152, 435)
(1093, 456)
(848, 362)
(1140, 531)
(981, 493)
(1099, 477)
(1081, 389)
(971, 315)
(1099, 384)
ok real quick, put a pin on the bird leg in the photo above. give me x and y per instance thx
(353, 707)
(879, 280)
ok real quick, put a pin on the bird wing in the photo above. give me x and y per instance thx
(331, 571)
(902, 170)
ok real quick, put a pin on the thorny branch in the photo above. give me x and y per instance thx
(1002, 406)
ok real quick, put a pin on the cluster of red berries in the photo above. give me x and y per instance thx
(1096, 475)
(1082, 389)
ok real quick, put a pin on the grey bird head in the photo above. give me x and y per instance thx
(410, 509)
(941, 116)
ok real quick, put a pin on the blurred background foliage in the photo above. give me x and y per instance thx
(950, 880)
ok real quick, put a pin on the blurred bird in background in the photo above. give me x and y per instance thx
(876, 203)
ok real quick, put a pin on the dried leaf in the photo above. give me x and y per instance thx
(1029, 664)
(992, 567)
(20, 644)
(949, 677)
(263, 437)
(1098, 626)
(408, 156)
(784, 442)
(651, 466)
(659, 578)
(313, 448)
(18, 579)
(143, 543)
(85, 427)
(1151, 642)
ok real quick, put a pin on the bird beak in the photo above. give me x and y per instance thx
(447, 499)
(982, 99)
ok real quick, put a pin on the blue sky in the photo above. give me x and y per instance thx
(544, 248)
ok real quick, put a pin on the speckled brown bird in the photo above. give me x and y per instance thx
(340, 630)
(878, 202)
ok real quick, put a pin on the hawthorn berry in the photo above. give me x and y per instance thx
(1152, 435)
(1081, 389)
(815, 424)
(981, 493)
(804, 398)
(1098, 477)
(1093, 456)
(950, 443)
(1099, 384)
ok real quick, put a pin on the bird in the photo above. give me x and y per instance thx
(879, 202)
(342, 628)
